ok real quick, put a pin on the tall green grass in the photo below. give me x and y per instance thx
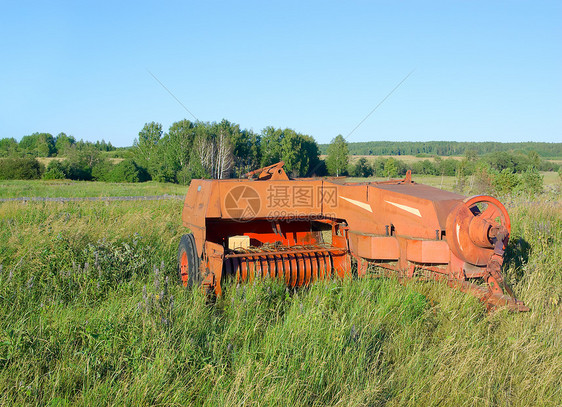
(91, 314)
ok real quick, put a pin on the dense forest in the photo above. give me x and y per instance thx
(447, 148)
(187, 150)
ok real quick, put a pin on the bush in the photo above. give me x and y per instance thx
(77, 170)
(483, 181)
(447, 167)
(531, 181)
(362, 168)
(183, 176)
(55, 170)
(506, 182)
(102, 170)
(20, 168)
(424, 167)
(128, 171)
(378, 166)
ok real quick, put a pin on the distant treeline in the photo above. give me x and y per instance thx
(190, 150)
(515, 163)
(47, 145)
(447, 148)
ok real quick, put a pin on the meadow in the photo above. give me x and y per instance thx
(91, 314)
(71, 189)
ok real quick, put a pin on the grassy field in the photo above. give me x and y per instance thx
(551, 180)
(91, 314)
(47, 160)
(409, 159)
(67, 189)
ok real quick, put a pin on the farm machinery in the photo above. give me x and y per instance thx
(267, 225)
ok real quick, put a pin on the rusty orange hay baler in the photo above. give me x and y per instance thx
(302, 230)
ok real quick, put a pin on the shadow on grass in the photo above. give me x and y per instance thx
(517, 256)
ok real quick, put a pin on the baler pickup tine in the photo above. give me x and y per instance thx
(492, 300)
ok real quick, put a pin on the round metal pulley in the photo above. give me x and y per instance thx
(473, 226)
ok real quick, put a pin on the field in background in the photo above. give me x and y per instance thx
(67, 189)
(408, 159)
(47, 160)
(551, 180)
(91, 314)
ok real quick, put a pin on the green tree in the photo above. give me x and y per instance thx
(149, 152)
(63, 143)
(223, 135)
(531, 181)
(271, 146)
(179, 142)
(338, 156)
(390, 168)
(172, 151)
(378, 166)
(534, 159)
(461, 175)
(145, 147)
(8, 147)
(311, 164)
(103, 146)
(362, 168)
(506, 181)
(448, 166)
(82, 158)
(246, 146)
(483, 180)
(424, 167)
(471, 154)
(38, 145)
(299, 152)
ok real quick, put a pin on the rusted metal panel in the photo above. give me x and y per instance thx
(428, 251)
(374, 247)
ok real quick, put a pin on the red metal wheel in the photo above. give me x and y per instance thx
(488, 207)
(472, 226)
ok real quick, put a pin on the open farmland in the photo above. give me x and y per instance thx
(551, 181)
(70, 189)
(408, 159)
(91, 314)
(47, 160)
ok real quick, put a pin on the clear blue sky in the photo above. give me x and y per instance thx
(484, 70)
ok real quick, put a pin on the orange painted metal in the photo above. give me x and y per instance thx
(302, 230)
(184, 267)
(368, 246)
(427, 251)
